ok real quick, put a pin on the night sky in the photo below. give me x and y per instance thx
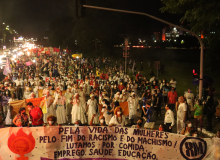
(31, 18)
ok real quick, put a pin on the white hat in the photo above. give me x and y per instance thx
(92, 95)
(132, 93)
(123, 91)
(120, 96)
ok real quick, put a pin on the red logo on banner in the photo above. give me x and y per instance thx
(21, 144)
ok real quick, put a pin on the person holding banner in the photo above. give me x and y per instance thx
(118, 119)
(149, 115)
(21, 119)
(139, 124)
(78, 112)
(60, 105)
(36, 115)
(101, 120)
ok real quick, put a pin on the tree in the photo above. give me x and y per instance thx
(202, 15)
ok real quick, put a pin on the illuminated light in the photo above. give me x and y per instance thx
(0, 61)
(202, 35)
(3, 23)
(1, 67)
(28, 53)
(155, 40)
(142, 46)
(174, 40)
(34, 61)
(77, 57)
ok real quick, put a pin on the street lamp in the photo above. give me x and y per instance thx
(168, 23)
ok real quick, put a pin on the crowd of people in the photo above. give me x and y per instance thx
(75, 88)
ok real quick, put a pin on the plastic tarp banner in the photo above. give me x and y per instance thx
(102, 143)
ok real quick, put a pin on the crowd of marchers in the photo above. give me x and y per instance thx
(88, 91)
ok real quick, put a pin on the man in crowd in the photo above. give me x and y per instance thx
(168, 119)
(36, 115)
(172, 97)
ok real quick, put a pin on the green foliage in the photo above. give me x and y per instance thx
(202, 15)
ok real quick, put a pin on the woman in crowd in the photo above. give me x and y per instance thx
(198, 108)
(60, 105)
(187, 130)
(27, 90)
(118, 120)
(21, 119)
(78, 112)
(101, 121)
(92, 109)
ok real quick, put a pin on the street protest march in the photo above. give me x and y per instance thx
(102, 143)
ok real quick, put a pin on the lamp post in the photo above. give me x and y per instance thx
(168, 23)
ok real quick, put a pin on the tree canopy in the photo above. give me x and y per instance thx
(201, 15)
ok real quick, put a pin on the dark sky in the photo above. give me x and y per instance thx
(32, 17)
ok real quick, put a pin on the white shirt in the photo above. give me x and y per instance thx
(115, 122)
(173, 84)
(189, 97)
(169, 117)
(18, 82)
(181, 111)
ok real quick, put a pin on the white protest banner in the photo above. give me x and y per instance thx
(102, 143)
